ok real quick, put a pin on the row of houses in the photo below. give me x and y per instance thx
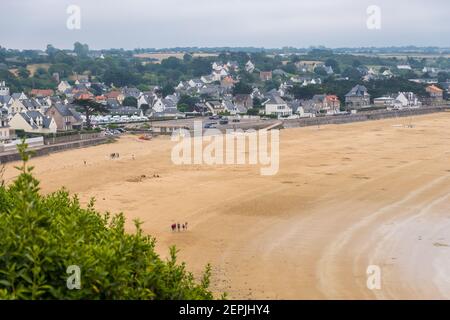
(39, 113)
(358, 98)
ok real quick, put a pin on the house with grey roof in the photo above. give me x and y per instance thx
(5, 100)
(33, 122)
(233, 108)
(66, 117)
(243, 101)
(31, 104)
(357, 98)
(146, 98)
(215, 106)
(277, 106)
(112, 104)
(19, 96)
(131, 92)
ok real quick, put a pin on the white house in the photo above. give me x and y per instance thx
(4, 129)
(408, 99)
(16, 106)
(249, 67)
(63, 86)
(33, 121)
(145, 98)
(276, 105)
(4, 90)
(195, 83)
(219, 75)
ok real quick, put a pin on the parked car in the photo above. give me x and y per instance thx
(223, 121)
(210, 125)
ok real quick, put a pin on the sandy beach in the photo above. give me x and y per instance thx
(345, 197)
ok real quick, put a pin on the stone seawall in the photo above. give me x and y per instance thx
(45, 150)
(376, 115)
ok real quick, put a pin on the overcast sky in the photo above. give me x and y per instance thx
(32, 24)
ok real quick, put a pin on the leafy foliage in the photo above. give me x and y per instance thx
(43, 235)
(89, 107)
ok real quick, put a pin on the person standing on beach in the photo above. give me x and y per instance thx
(178, 225)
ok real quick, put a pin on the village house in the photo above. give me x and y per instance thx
(40, 93)
(16, 106)
(308, 66)
(207, 79)
(385, 101)
(232, 108)
(408, 99)
(64, 86)
(82, 95)
(265, 75)
(357, 98)
(436, 94)
(195, 83)
(117, 95)
(244, 101)
(4, 128)
(322, 103)
(332, 104)
(5, 101)
(215, 106)
(33, 122)
(249, 67)
(219, 75)
(4, 90)
(66, 118)
(112, 104)
(131, 92)
(401, 100)
(82, 79)
(19, 96)
(147, 98)
(277, 106)
(227, 82)
(32, 104)
(167, 106)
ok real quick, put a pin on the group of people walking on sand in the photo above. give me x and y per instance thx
(179, 226)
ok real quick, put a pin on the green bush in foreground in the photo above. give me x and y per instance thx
(41, 236)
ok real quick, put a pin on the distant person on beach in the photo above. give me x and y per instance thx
(185, 225)
(174, 226)
(178, 225)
